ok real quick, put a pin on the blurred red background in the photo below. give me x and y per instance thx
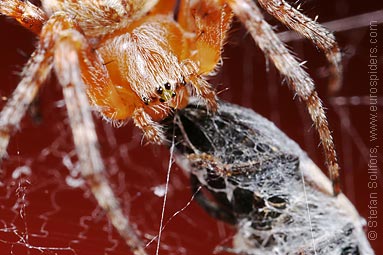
(41, 214)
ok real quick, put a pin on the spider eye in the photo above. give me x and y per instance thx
(183, 82)
(159, 90)
(146, 100)
(173, 94)
(167, 86)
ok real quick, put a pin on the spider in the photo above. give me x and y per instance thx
(141, 60)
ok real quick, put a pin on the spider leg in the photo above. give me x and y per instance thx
(183, 16)
(313, 31)
(298, 80)
(68, 48)
(210, 23)
(34, 74)
(167, 7)
(27, 14)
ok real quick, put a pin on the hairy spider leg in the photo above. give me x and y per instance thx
(167, 7)
(210, 23)
(34, 74)
(297, 79)
(27, 14)
(68, 57)
(313, 31)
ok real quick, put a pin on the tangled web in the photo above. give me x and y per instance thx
(45, 207)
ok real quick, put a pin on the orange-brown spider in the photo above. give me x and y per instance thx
(141, 60)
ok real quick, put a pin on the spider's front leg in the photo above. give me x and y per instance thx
(33, 75)
(313, 31)
(209, 22)
(72, 59)
(27, 14)
(298, 80)
(212, 21)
